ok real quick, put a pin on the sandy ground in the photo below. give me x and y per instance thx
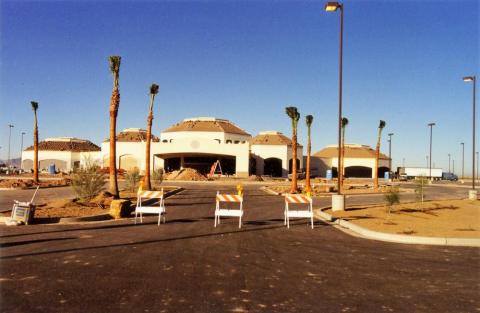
(447, 218)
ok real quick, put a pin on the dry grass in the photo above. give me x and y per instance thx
(446, 218)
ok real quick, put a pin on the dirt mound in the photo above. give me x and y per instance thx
(104, 198)
(255, 178)
(186, 174)
(28, 183)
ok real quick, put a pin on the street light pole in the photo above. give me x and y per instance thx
(431, 131)
(473, 79)
(10, 126)
(453, 165)
(427, 160)
(332, 7)
(21, 149)
(390, 150)
(463, 157)
(449, 162)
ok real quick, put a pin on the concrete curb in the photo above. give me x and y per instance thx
(270, 191)
(396, 238)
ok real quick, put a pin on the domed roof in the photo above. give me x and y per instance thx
(351, 151)
(272, 138)
(133, 135)
(66, 144)
(206, 124)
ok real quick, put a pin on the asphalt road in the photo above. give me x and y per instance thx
(187, 265)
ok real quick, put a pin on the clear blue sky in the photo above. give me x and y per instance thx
(245, 61)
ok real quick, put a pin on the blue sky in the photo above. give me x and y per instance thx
(245, 61)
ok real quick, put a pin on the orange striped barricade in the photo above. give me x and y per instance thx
(154, 209)
(297, 199)
(228, 212)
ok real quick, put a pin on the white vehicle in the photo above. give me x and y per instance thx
(405, 173)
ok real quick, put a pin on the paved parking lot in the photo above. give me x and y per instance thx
(187, 265)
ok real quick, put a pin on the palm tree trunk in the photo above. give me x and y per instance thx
(309, 150)
(343, 160)
(147, 182)
(375, 169)
(115, 100)
(294, 162)
(35, 150)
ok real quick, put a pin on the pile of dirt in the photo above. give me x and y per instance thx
(28, 183)
(67, 208)
(255, 178)
(186, 174)
(103, 199)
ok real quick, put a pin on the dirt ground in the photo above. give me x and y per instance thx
(59, 208)
(447, 218)
(28, 183)
(324, 189)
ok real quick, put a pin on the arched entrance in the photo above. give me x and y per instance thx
(128, 162)
(59, 164)
(290, 163)
(381, 171)
(27, 164)
(358, 171)
(272, 167)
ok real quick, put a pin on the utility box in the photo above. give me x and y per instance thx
(23, 212)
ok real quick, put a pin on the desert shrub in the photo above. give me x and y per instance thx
(131, 179)
(420, 183)
(392, 197)
(157, 176)
(87, 182)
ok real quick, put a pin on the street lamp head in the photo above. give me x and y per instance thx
(391, 134)
(332, 6)
(431, 124)
(469, 78)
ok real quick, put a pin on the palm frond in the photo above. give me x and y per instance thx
(34, 105)
(309, 120)
(292, 112)
(382, 124)
(344, 122)
(154, 89)
(114, 61)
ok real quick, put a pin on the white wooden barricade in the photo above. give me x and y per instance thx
(228, 212)
(297, 199)
(157, 209)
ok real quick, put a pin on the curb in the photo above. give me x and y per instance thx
(370, 234)
(270, 191)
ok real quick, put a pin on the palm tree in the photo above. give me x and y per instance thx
(294, 115)
(114, 104)
(35, 142)
(342, 162)
(153, 92)
(308, 120)
(381, 126)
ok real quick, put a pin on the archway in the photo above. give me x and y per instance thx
(128, 162)
(59, 164)
(382, 170)
(358, 171)
(290, 163)
(27, 164)
(272, 167)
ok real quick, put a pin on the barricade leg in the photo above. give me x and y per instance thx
(240, 222)
(311, 219)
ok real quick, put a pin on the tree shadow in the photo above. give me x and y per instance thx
(26, 242)
(197, 236)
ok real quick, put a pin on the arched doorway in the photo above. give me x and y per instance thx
(128, 162)
(27, 164)
(59, 164)
(290, 163)
(358, 171)
(272, 167)
(381, 171)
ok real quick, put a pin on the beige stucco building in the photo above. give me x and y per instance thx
(359, 161)
(66, 153)
(199, 142)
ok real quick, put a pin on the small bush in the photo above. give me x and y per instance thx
(392, 197)
(157, 176)
(420, 183)
(131, 180)
(87, 182)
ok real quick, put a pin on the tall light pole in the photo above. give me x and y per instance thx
(427, 160)
(463, 157)
(403, 162)
(10, 126)
(477, 165)
(21, 149)
(430, 164)
(453, 166)
(332, 7)
(390, 150)
(473, 79)
(449, 163)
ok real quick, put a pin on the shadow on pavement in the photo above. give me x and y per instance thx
(19, 243)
